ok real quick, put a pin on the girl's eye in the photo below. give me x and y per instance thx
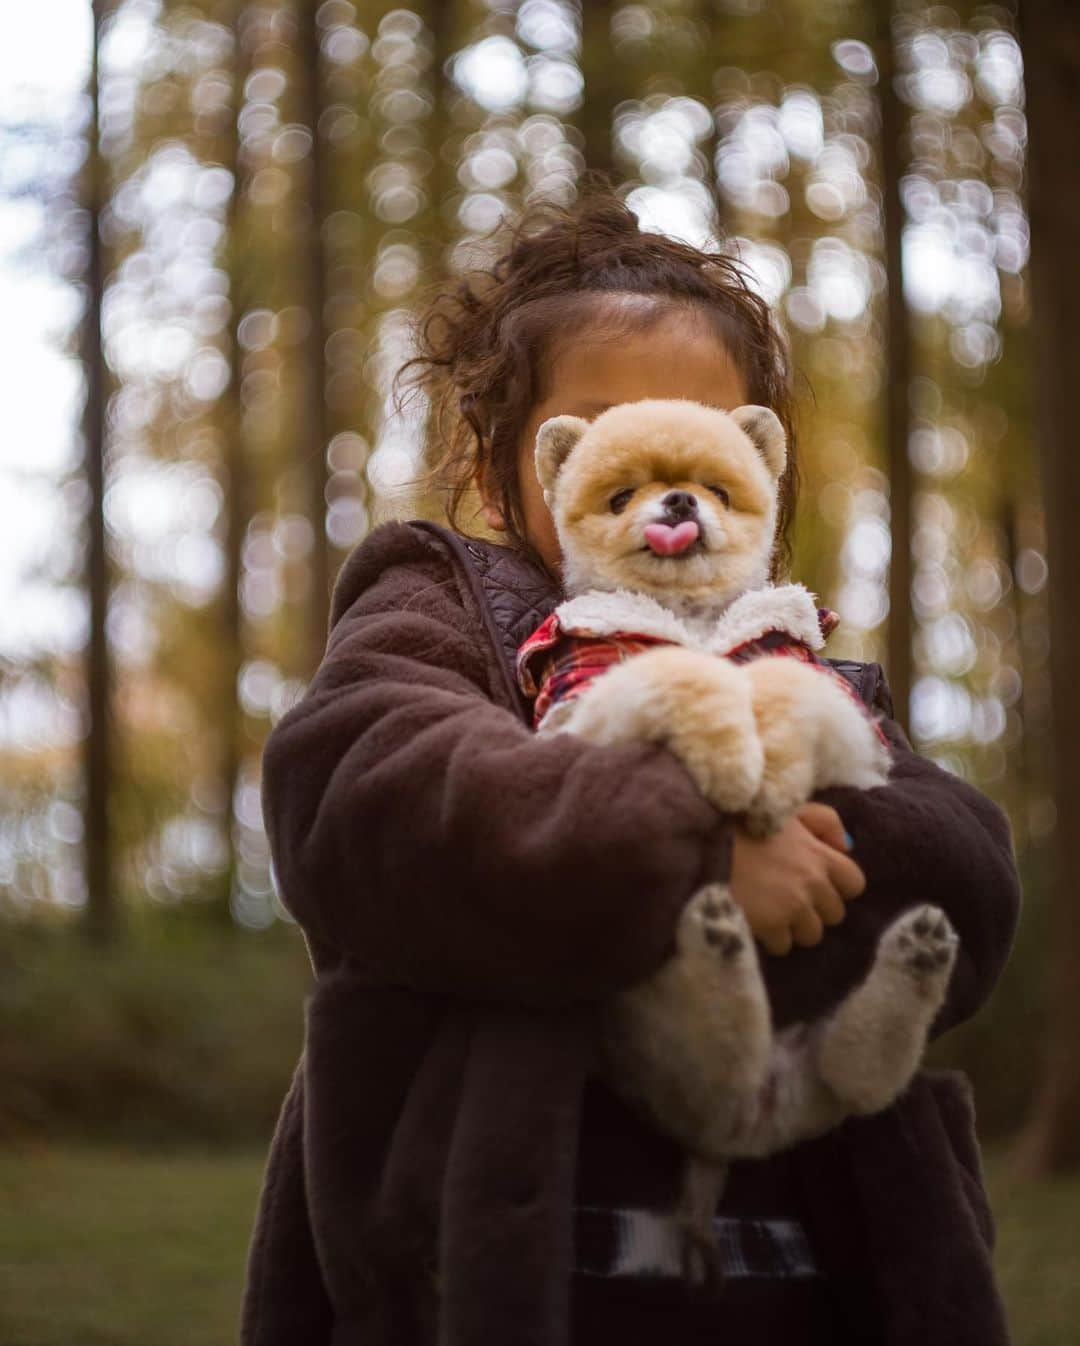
(722, 493)
(620, 500)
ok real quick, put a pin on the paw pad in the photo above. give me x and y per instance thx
(719, 923)
(924, 941)
(714, 907)
(728, 941)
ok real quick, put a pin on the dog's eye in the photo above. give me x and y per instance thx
(722, 493)
(620, 500)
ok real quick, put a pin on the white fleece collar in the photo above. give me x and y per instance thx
(785, 607)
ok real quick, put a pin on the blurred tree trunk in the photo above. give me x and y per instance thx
(101, 915)
(1050, 34)
(442, 179)
(236, 484)
(314, 432)
(596, 118)
(437, 235)
(1020, 778)
(897, 366)
(716, 19)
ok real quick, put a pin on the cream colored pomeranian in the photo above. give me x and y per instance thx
(666, 513)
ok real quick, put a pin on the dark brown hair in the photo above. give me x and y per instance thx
(484, 344)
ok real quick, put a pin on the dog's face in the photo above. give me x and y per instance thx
(668, 498)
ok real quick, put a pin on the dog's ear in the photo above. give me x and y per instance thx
(764, 428)
(554, 440)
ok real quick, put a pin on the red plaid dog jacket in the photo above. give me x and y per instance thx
(554, 665)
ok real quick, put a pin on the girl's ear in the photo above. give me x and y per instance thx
(554, 440)
(490, 511)
(764, 428)
(492, 516)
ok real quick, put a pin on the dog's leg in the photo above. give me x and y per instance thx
(812, 735)
(871, 1046)
(702, 1187)
(689, 1045)
(859, 1058)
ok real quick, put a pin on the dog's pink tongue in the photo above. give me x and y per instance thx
(668, 541)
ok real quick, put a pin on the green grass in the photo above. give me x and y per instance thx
(105, 1247)
(177, 1035)
(1038, 1255)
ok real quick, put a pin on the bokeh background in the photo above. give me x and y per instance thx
(216, 219)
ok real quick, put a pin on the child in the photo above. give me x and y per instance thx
(447, 1166)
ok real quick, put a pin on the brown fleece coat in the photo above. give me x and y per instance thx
(469, 893)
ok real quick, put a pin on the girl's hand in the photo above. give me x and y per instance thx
(792, 884)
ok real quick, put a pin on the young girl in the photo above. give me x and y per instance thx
(448, 1168)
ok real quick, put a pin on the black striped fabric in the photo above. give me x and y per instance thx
(646, 1245)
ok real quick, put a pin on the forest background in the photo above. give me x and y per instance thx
(216, 220)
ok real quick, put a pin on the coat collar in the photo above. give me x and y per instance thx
(790, 608)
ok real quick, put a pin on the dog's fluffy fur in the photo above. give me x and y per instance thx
(693, 1045)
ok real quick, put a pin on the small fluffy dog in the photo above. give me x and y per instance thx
(666, 514)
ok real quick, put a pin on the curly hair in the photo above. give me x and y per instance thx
(485, 343)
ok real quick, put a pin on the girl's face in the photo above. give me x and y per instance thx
(680, 356)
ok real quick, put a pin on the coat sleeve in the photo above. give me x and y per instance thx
(421, 830)
(925, 836)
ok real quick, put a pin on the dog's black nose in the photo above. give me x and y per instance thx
(680, 505)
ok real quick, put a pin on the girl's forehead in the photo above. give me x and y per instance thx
(677, 356)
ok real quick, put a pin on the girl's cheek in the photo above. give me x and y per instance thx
(540, 530)
(539, 525)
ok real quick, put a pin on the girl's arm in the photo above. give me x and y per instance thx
(926, 836)
(424, 831)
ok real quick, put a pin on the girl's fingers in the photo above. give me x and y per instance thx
(777, 941)
(829, 905)
(825, 823)
(807, 929)
(844, 874)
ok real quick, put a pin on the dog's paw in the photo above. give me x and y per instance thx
(813, 735)
(922, 944)
(768, 810)
(787, 782)
(722, 751)
(713, 927)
